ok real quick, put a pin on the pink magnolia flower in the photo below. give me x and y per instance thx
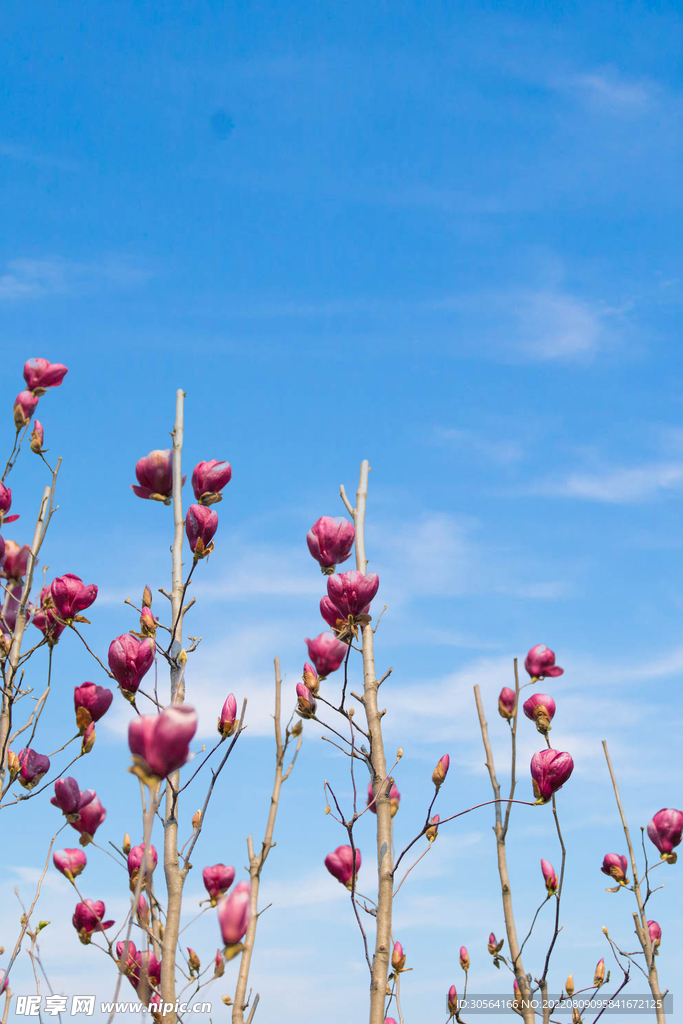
(200, 526)
(540, 662)
(452, 1000)
(132, 967)
(306, 703)
(150, 966)
(33, 767)
(616, 867)
(655, 933)
(155, 476)
(330, 541)
(91, 817)
(41, 374)
(340, 864)
(37, 438)
(551, 880)
(136, 858)
(129, 660)
(234, 914)
(441, 771)
(506, 703)
(326, 652)
(550, 769)
(70, 862)
(540, 709)
(217, 880)
(331, 613)
(88, 918)
(91, 702)
(70, 799)
(464, 958)
(227, 723)
(71, 596)
(394, 796)
(209, 479)
(161, 743)
(665, 831)
(351, 592)
(24, 406)
(16, 560)
(5, 505)
(389, 1020)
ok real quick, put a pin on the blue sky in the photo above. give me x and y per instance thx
(443, 238)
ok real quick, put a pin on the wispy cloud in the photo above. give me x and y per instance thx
(558, 326)
(608, 91)
(624, 485)
(38, 278)
(493, 449)
(26, 155)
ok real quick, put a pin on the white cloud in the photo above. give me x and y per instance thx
(609, 92)
(619, 486)
(556, 325)
(499, 449)
(36, 278)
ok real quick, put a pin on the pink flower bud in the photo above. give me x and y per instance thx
(540, 709)
(24, 406)
(129, 660)
(550, 769)
(494, 946)
(70, 862)
(41, 374)
(551, 881)
(71, 596)
(432, 832)
(200, 526)
(46, 620)
(389, 1020)
(88, 918)
(306, 704)
(227, 723)
(616, 867)
(150, 966)
(91, 702)
(540, 662)
(326, 652)
(506, 703)
(217, 881)
(89, 737)
(665, 831)
(136, 858)
(441, 771)
(655, 933)
(5, 505)
(394, 796)
(132, 967)
(398, 958)
(234, 914)
(209, 479)
(143, 910)
(91, 817)
(148, 624)
(310, 678)
(16, 560)
(70, 799)
(160, 744)
(33, 767)
(599, 976)
(351, 592)
(330, 541)
(219, 969)
(452, 1000)
(37, 438)
(464, 958)
(155, 476)
(340, 865)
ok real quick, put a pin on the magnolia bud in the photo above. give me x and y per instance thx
(226, 999)
(576, 1015)
(196, 820)
(655, 933)
(432, 832)
(398, 958)
(599, 976)
(494, 946)
(452, 1000)
(297, 728)
(147, 597)
(219, 969)
(89, 737)
(507, 702)
(310, 678)
(37, 437)
(305, 701)
(126, 844)
(464, 958)
(441, 771)
(569, 985)
(193, 961)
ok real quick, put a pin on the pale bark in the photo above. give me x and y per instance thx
(174, 878)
